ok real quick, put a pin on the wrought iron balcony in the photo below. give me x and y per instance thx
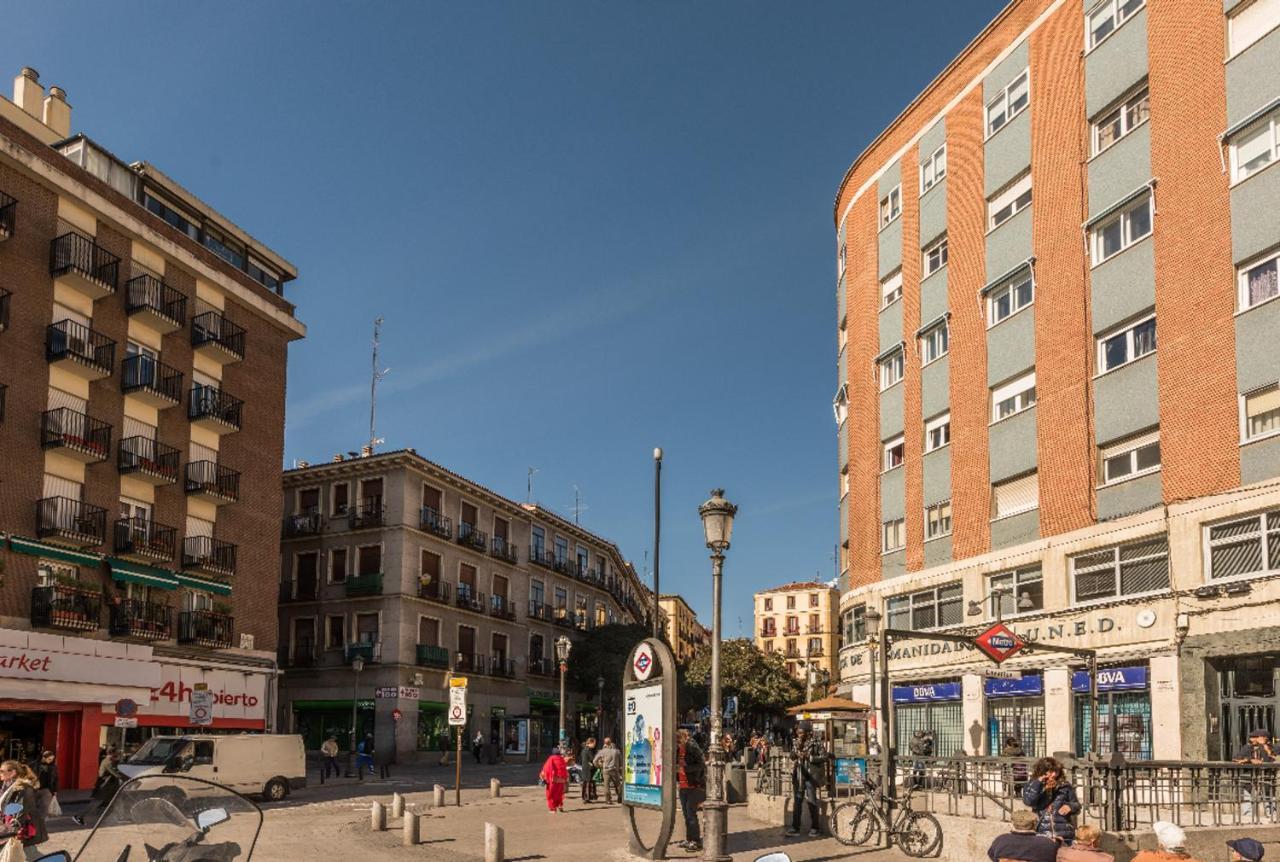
(308, 523)
(431, 521)
(815, 652)
(565, 566)
(503, 667)
(435, 590)
(71, 521)
(209, 556)
(364, 585)
(144, 540)
(83, 265)
(135, 618)
(582, 621)
(4, 309)
(64, 606)
(791, 631)
(8, 216)
(766, 632)
(792, 652)
(503, 550)
(367, 650)
(80, 350)
(469, 600)
(469, 663)
(540, 666)
(563, 617)
(212, 333)
(215, 410)
(501, 608)
(814, 630)
(161, 306)
(370, 513)
(541, 557)
(151, 381)
(470, 537)
(304, 655)
(75, 434)
(206, 628)
(213, 482)
(148, 459)
(540, 611)
(433, 656)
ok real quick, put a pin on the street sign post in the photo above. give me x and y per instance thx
(458, 719)
(999, 642)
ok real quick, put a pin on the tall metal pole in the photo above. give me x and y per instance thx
(875, 657)
(657, 538)
(1093, 707)
(355, 690)
(457, 771)
(564, 667)
(715, 836)
(887, 747)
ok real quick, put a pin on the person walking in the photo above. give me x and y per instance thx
(1018, 771)
(555, 774)
(1022, 843)
(364, 755)
(329, 751)
(609, 762)
(807, 755)
(691, 779)
(47, 775)
(1255, 752)
(104, 789)
(1245, 850)
(1053, 799)
(588, 770)
(1173, 845)
(477, 745)
(20, 786)
(1085, 848)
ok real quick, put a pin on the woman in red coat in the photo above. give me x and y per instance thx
(555, 773)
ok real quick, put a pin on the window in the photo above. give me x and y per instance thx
(894, 450)
(840, 404)
(1250, 23)
(768, 646)
(937, 432)
(171, 214)
(891, 206)
(791, 603)
(1133, 342)
(1127, 570)
(1261, 413)
(538, 540)
(1011, 297)
(562, 549)
(1012, 200)
(1119, 121)
(844, 481)
(337, 565)
(429, 632)
(813, 603)
(263, 274)
(768, 606)
(1244, 546)
(934, 343)
(1260, 281)
(927, 609)
(49, 573)
(369, 560)
(335, 632)
(937, 521)
(840, 256)
(891, 369)
(895, 536)
(1255, 147)
(1018, 585)
(1117, 232)
(934, 169)
(1014, 496)
(842, 336)
(935, 256)
(855, 627)
(1130, 459)
(537, 593)
(429, 568)
(1104, 20)
(1013, 397)
(1008, 104)
(891, 289)
(341, 492)
(224, 246)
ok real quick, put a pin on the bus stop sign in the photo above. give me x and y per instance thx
(999, 642)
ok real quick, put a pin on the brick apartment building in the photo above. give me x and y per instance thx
(799, 621)
(1081, 176)
(142, 379)
(684, 634)
(424, 573)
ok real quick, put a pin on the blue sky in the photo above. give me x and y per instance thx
(592, 228)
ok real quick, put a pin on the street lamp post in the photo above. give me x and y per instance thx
(357, 665)
(563, 646)
(717, 523)
(880, 654)
(657, 536)
(600, 708)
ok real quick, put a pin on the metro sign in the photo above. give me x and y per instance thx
(999, 642)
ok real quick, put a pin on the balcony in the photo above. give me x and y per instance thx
(563, 618)
(79, 350)
(4, 309)
(145, 541)
(370, 513)
(540, 557)
(148, 460)
(813, 630)
(308, 523)
(501, 608)
(75, 434)
(542, 667)
(467, 663)
(304, 655)
(503, 550)
(431, 521)
(469, 600)
(502, 667)
(369, 584)
(815, 652)
(209, 556)
(134, 618)
(215, 336)
(768, 633)
(299, 591)
(433, 656)
(367, 650)
(792, 652)
(206, 628)
(84, 266)
(214, 410)
(434, 590)
(791, 632)
(71, 521)
(64, 606)
(151, 381)
(212, 482)
(565, 566)
(582, 621)
(155, 303)
(8, 216)
(540, 611)
(470, 537)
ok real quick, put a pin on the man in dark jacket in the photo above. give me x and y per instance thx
(1023, 844)
(808, 759)
(691, 777)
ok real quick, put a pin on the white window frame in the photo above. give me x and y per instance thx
(842, 335)
(1116, 566)
(937, 525)
(894, 363)
(999, 105)
(1271, 6)
(1009, 288)
(1126, 330)
(844, 481)
(329, 565)
(328, 631)
(1242, 279)
(1245, 436)
(886, 448)
(840, 404)
(934, 169)
(935, 343)
(841, 250)
(1266, 538)
(898, 528)
(1125, 217)
(1122, 111)
(1017, 578)
(891, 289)
(1014, 198)
(939, 247)
(940, 422)
(1017, 388)
(1129, 447)
(891, 206)
(997, 515)
(1115, 7)
(1271, 122)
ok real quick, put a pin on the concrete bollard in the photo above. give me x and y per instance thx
(437, 796)
(493, 843)
(412, 829)
(397, 805)
(378, 817)
(495, 788)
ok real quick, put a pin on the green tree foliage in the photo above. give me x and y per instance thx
(599, 653)
(760, 680)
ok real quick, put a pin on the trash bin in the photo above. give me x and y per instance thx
(751, 755)
(735, 785)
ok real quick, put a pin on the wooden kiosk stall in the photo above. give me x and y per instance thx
(842, 726)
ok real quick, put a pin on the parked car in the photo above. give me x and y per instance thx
(266, 764)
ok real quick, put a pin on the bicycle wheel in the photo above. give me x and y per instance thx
(921, 834)
(852, 824)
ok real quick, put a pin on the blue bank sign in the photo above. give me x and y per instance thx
(927, 692)
(1111, 679)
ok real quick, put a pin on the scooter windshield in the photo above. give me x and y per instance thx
(173, 818)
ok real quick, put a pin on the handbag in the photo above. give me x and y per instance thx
(55, 807)
(12, 851)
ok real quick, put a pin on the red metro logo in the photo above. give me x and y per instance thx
(999, 643)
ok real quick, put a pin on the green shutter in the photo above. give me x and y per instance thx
(138, 574)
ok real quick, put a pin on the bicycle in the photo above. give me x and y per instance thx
(856, 822)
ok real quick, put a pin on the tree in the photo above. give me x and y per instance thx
(758, 679)
(603, 652)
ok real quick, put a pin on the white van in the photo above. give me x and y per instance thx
(268, 764)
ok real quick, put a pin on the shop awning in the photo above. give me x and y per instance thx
(135, 573)
(53, 552)
(829, 704)
(209, 585)
(543, 701)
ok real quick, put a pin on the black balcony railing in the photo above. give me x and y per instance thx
(211, 328)
(433, 656)
(140, 537)
(209, 555)
(541, 557)
(205, 628)
(470, 537)
(210, 402)
(72, 252)
(206, 477)
(540, 611)
(367, 650)
(69, 339)
(768, 633)
(540, 666)
(435, 590)
(304, 654)
(470, 600)
(370, 513)
(432, 521)
(62, 606)
(64, 428)
(65, 518)
(144, 455)
(4, 309)
(501, 608)
(308, 523)
(469, 663)
(146, 373)
(364, 585)
(135, 618)
(148, 293)
(503, 550)
(562, 617)
(502, 666)
(8, 215)
(565, 566)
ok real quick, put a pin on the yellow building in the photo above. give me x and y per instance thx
(683, 631)
(799, 621)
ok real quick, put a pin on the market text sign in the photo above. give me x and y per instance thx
(32, 664)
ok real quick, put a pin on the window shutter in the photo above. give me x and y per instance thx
(1017, 495)
(1262, 402)
(56, 486)
(136, 428)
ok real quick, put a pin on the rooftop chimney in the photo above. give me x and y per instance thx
(337, 459)
(366, 451)
(302, 465)
(27, 91)
(57, 113)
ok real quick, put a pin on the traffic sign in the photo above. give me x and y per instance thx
(457, 706)
(457, 682)
(643, 662)
(126, 707)
(396, 715)
(122, 721)
(201, 706)
(999, 642)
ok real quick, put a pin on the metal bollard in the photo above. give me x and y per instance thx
(397, 805)
(495, 788)
(412, 829)
(378, 817)
(437, 796)
(493, 843)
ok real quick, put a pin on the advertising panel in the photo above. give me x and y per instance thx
(642, 775)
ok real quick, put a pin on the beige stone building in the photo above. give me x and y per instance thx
(799, 621)
(683, 631)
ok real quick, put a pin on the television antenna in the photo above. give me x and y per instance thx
(528, 495)
(375, 378)
(578, 507)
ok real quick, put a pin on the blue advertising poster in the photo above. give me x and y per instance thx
(926, 691)
(1030, 685)
(851, 770)
(642, 754)
(1111, 679)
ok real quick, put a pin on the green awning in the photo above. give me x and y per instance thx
(543, 701)
(431, 706)
(330, 704)
(149, 576)
(209, 585)
(53, 552)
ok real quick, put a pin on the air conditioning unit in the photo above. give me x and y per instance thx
(246, 641)
(418, 679)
